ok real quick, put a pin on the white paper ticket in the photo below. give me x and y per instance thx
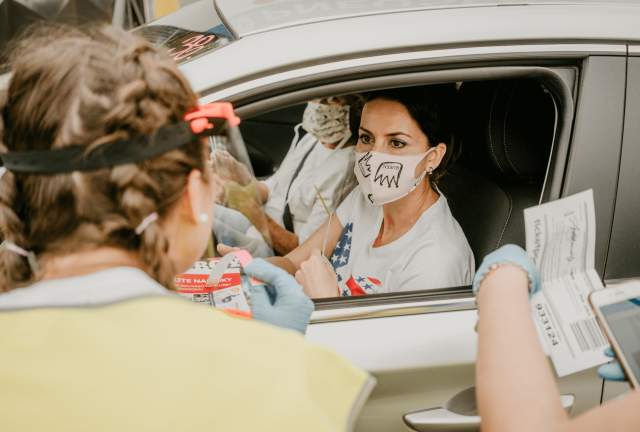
(561, 241)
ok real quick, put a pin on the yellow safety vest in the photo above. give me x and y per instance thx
(159, 363)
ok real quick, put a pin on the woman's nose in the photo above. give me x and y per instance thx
(378, 145)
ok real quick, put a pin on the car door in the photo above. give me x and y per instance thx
(422, 349)
(623, 259)
(421, 346)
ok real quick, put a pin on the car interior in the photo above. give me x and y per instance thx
(505, 133)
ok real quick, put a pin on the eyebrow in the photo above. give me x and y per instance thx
(389, 134)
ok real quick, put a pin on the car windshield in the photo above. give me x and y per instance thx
(184, 45)
(387, 188)
(190, 32)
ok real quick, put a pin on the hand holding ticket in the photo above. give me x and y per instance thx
(561, 242)
(251, 288)
(218, 282)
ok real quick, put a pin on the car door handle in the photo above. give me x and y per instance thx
(459, 414)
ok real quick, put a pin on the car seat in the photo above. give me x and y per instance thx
(505, 134)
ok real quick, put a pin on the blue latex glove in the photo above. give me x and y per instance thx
(282, 302)
(611, 371)
(232, 218)
(511, 254)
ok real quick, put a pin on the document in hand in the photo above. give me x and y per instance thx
(561, 238)
(218, 282)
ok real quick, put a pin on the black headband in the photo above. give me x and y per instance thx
(138, 149)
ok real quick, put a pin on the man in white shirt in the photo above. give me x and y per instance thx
(314, 177)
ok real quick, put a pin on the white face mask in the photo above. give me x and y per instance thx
(329, 123)
(384, 177)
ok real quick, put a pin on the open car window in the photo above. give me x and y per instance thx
(504, 132)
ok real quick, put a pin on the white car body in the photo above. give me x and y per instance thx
(421, 349)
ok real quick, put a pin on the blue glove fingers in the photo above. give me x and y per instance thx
(259, 298)
(291, 308)
(612, 372)
(609, 352)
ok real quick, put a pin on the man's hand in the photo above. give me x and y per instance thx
(218, 185)
(244, 199)
(230, 169)
(317, 277)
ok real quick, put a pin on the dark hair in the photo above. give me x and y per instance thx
(432, 108)
(91, 87)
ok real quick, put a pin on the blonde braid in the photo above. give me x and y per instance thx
(92, 88)
(14, 268)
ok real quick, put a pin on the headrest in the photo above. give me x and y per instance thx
(507, 128)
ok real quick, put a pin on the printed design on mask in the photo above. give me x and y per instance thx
(364, 165)
(370, 198)
(388, 174)
(329, 123)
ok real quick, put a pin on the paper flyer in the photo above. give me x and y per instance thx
(560, 238)
(216, 282)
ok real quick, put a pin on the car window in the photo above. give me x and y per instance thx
(493, 164)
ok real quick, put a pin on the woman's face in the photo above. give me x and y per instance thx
(387, 127)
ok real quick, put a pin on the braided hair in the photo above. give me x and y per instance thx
(90, 88)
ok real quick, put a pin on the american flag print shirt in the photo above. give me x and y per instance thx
(353, 285)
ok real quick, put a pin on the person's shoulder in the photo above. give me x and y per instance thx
(348, 204)
(305, 143)
(356, 207)
(206, 326)
(347, 153)
(297, 150)
(444, 239)
(446, 223)
(262, 353)
(165, 345)
(341, 161)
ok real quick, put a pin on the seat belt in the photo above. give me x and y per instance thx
(287, 217)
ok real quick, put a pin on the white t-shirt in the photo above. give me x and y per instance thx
(433, 254)
(324, 169)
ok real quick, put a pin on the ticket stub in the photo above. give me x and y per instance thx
(561, 241)
(218, 282)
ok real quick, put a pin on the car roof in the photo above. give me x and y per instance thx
(454, 31)
(245, 17)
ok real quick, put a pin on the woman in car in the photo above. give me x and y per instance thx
(395, 231)
(313, 179)
(516, 388)
(107, 194)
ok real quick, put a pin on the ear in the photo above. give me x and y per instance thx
(435, 157)
(197, 198)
